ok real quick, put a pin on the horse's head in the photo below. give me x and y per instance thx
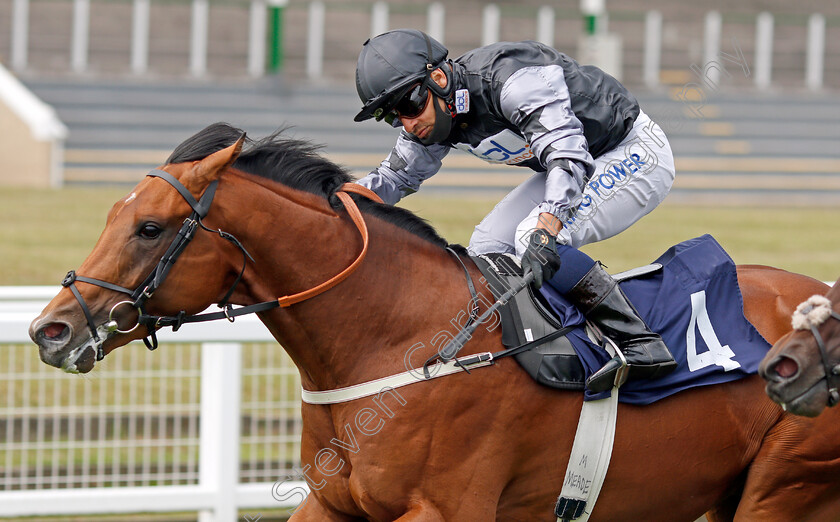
(101, 304)
(802, 369)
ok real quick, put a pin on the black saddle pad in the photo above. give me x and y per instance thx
(526, 318)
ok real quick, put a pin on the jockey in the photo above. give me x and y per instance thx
(600, 163)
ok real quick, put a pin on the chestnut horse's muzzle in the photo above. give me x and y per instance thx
(146, 289)
(810, 316)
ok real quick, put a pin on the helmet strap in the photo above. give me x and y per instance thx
(444, 117)
(431, 84)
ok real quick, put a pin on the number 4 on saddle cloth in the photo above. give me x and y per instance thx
(693, 301)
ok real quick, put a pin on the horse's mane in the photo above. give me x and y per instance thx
(297, 164)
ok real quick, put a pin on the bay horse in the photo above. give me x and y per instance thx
(489, 444)
(802, 369)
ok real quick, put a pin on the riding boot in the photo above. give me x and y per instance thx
(602, 301)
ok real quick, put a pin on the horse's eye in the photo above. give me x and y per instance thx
(149, 231)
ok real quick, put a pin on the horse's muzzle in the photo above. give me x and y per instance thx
(780, 369)
(53, 338)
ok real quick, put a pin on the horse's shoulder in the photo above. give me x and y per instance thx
(772, 294)
(777, 281)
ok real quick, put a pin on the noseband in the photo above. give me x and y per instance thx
(140, 295)
(810, 315)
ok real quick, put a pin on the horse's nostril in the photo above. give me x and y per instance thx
(53, 331)
(786, 367)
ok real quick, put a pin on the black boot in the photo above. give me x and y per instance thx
(602, 301)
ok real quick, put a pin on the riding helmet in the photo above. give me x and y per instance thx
(393, 62)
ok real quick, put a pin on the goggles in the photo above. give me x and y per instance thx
(411, 105)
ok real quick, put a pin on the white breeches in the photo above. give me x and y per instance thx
(628, 182)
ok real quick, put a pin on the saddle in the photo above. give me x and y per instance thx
(528, 317)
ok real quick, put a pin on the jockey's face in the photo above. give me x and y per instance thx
(422, 124)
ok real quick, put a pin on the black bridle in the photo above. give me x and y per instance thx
(146, 289)
(832, 371)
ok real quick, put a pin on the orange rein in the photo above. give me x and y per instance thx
(359, 220)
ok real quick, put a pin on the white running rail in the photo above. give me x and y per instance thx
(123, 439)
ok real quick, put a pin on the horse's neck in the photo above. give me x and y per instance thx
(405, 291)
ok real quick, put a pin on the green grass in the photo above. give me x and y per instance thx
(47, 232)
(798, 239)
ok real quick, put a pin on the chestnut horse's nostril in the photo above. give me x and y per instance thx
(54, 334)
(785, 368)
(53, 330)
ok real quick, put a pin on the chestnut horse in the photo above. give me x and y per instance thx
(802, 369)
(489, 444)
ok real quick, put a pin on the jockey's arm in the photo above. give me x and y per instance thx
(536, 100)
(401, 173)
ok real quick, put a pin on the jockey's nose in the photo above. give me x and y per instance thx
(409, 124)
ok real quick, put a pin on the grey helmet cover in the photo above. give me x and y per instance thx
(393, 62)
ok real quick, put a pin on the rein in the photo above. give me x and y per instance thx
(805, 318)
(152, 282)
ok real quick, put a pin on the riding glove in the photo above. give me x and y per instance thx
(541, 257)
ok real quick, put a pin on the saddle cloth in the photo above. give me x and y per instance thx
(695, 304)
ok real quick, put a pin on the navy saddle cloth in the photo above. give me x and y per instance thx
(693, 302)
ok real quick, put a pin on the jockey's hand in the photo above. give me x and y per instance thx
(541, 257)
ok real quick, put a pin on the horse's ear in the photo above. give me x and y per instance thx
(211, 167)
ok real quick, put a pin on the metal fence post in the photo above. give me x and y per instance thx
(219, 430)
(490, 24)
(257, 38)
(653, 48)
(140, 37)
(378, 18)
(20, 34)
(545, 25)
(711, 46)
(198, 41)
(816, 52)
(594, 16)
(436, 19)
(81, 35)
(276, 10)
(315, 40)
(763, 50)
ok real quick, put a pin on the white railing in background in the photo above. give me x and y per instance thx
(140, 36)
(81, 35)
(653, 48)
(315, 39)
(215, 491)
(545, 26)
(491, 20)
(815, 61)
(198, 38)
(256, 38)
(436, 21)
(379, 16)
(379, 19)
(763, 49)
(711, 46)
